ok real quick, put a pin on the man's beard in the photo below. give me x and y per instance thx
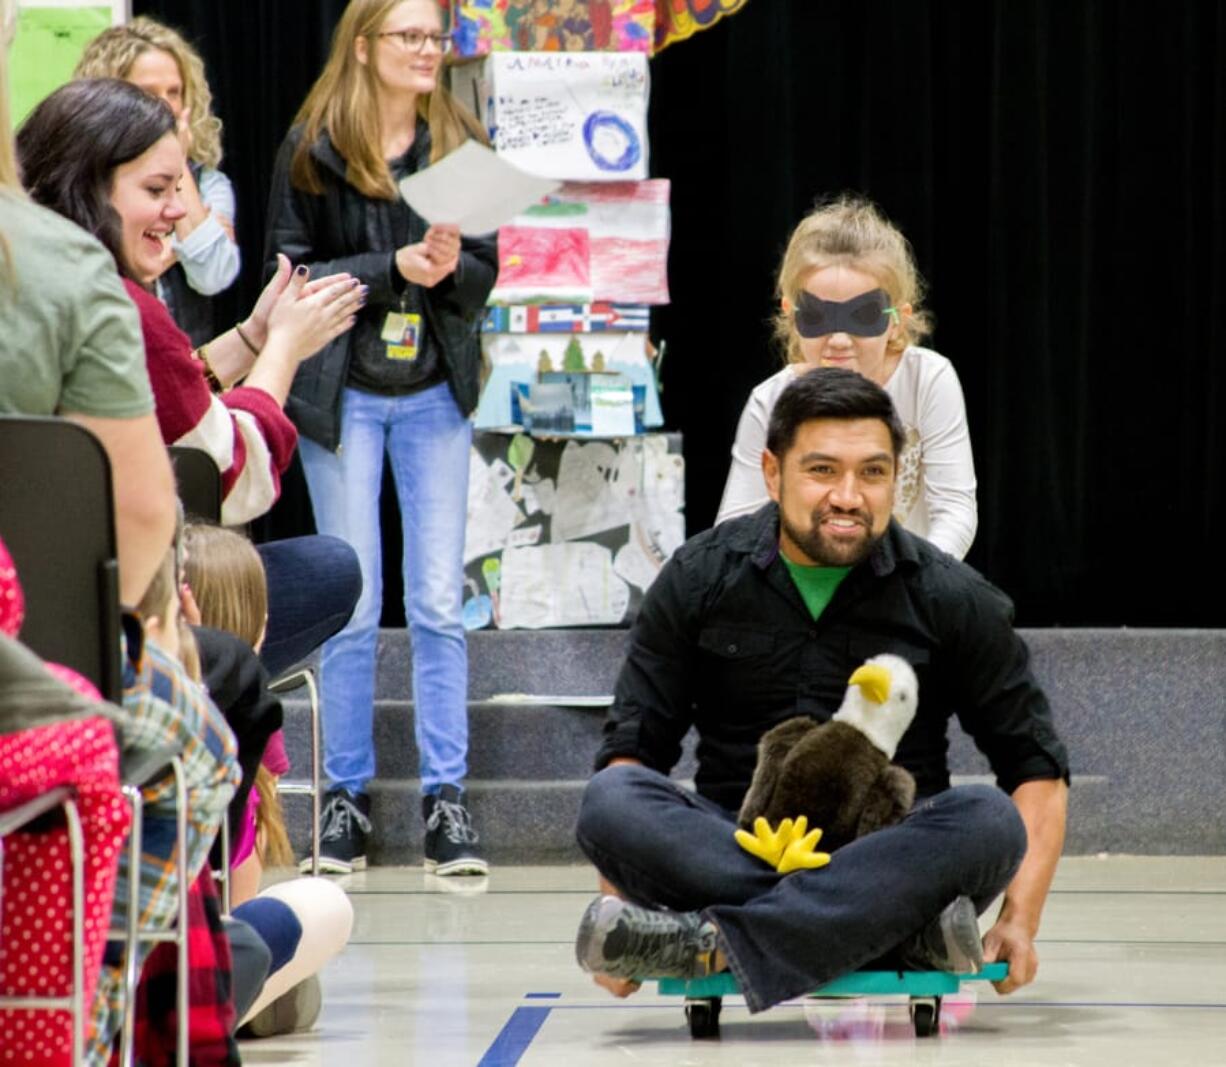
(824, 550)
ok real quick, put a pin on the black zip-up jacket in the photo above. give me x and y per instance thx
(725, 643)
(337, 231)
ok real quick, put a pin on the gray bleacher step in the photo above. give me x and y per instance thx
(530, 741)
(519, 822)
(515, 661)
(1141, 711)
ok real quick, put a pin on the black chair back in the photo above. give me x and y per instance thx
(57, 519)
(199, 483)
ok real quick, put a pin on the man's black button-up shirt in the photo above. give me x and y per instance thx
(724, 643)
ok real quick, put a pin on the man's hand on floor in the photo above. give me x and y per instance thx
(1011, 942)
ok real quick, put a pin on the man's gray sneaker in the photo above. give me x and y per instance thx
(344, 825)
(624, 940)
(949, 943)
(451, 840)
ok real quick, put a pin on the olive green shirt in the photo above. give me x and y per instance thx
(70, 339)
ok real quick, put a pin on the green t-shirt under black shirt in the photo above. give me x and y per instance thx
(816, 584)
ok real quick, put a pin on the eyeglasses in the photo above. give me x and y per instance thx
(415, 40)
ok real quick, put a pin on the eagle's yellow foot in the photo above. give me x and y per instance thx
(788, 848)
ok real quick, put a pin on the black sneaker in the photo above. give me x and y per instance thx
(343, 826)
(450, 838)
(624, 940)
(949, 943)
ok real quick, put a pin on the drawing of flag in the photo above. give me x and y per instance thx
(601, 317)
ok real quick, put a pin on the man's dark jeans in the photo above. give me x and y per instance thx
(785, 935)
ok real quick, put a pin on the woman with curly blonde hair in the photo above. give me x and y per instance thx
(202, 256)
(850, 296)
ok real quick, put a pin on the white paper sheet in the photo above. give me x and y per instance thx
(492, 514)
(577, 115)
(474, 188)
(561, 585)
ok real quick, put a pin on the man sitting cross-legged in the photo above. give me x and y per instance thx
(765, 618)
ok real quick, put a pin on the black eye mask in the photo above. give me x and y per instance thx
(866, 315)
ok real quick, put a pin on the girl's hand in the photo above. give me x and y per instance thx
(443, 244)
(306, 321)
(418, 265)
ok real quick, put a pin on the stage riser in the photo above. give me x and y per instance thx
(1143, 713)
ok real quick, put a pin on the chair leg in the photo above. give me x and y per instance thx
(181, 938)
(131, 932)
(312, 788)
(76, 848)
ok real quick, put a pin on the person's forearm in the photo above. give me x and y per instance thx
(229, 355)
(1043, 805)
(274, 371)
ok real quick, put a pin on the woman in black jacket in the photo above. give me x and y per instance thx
(402, 383)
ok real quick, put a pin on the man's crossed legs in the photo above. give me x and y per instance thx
(785, 935)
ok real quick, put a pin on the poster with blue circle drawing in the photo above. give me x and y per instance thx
(579, 116)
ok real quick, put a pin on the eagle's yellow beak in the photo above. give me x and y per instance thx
(873, 680)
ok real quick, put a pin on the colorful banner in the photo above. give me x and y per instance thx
(678, 19)
(483, 26)
(588, 242)
(567, 318)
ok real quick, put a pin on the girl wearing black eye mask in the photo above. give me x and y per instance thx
(849, 296)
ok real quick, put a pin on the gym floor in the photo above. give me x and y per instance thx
(460, 972)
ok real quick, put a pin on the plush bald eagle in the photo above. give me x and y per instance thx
(838, 774)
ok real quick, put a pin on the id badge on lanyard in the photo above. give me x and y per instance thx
(401, 330)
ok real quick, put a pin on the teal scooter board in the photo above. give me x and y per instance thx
(704, 996)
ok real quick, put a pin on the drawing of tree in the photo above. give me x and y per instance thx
(572, 359)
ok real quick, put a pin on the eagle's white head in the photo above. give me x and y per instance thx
(882, 698)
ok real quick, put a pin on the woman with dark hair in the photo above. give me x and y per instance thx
(106, 155)
(402, 386)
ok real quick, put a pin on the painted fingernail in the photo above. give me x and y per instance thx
(301, 270)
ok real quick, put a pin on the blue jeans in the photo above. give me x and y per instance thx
(785, 935)
(428, 441)
(313, 585)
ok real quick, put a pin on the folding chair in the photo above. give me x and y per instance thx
(56, 517)
(285, 684)
(199, 482)
(200, 490)
(15, 819)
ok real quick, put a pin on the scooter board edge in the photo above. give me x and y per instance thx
(858, 983)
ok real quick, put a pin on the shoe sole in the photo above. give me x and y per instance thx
(328, 865)
(960, 929)
(454, 867)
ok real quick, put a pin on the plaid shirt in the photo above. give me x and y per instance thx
(211, 1020)
(166, 710)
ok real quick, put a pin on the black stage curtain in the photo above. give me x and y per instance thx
(1061, 172)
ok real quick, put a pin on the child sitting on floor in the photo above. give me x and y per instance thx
(226, 579)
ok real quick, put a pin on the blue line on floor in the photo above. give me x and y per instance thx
(514, 1038)
(542, 996)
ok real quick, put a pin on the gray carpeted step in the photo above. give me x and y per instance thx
(1142, 713)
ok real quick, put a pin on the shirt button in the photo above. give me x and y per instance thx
(813, 634)
(732, 649)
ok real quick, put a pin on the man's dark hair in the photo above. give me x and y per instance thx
(830, 393)
(70, 145)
